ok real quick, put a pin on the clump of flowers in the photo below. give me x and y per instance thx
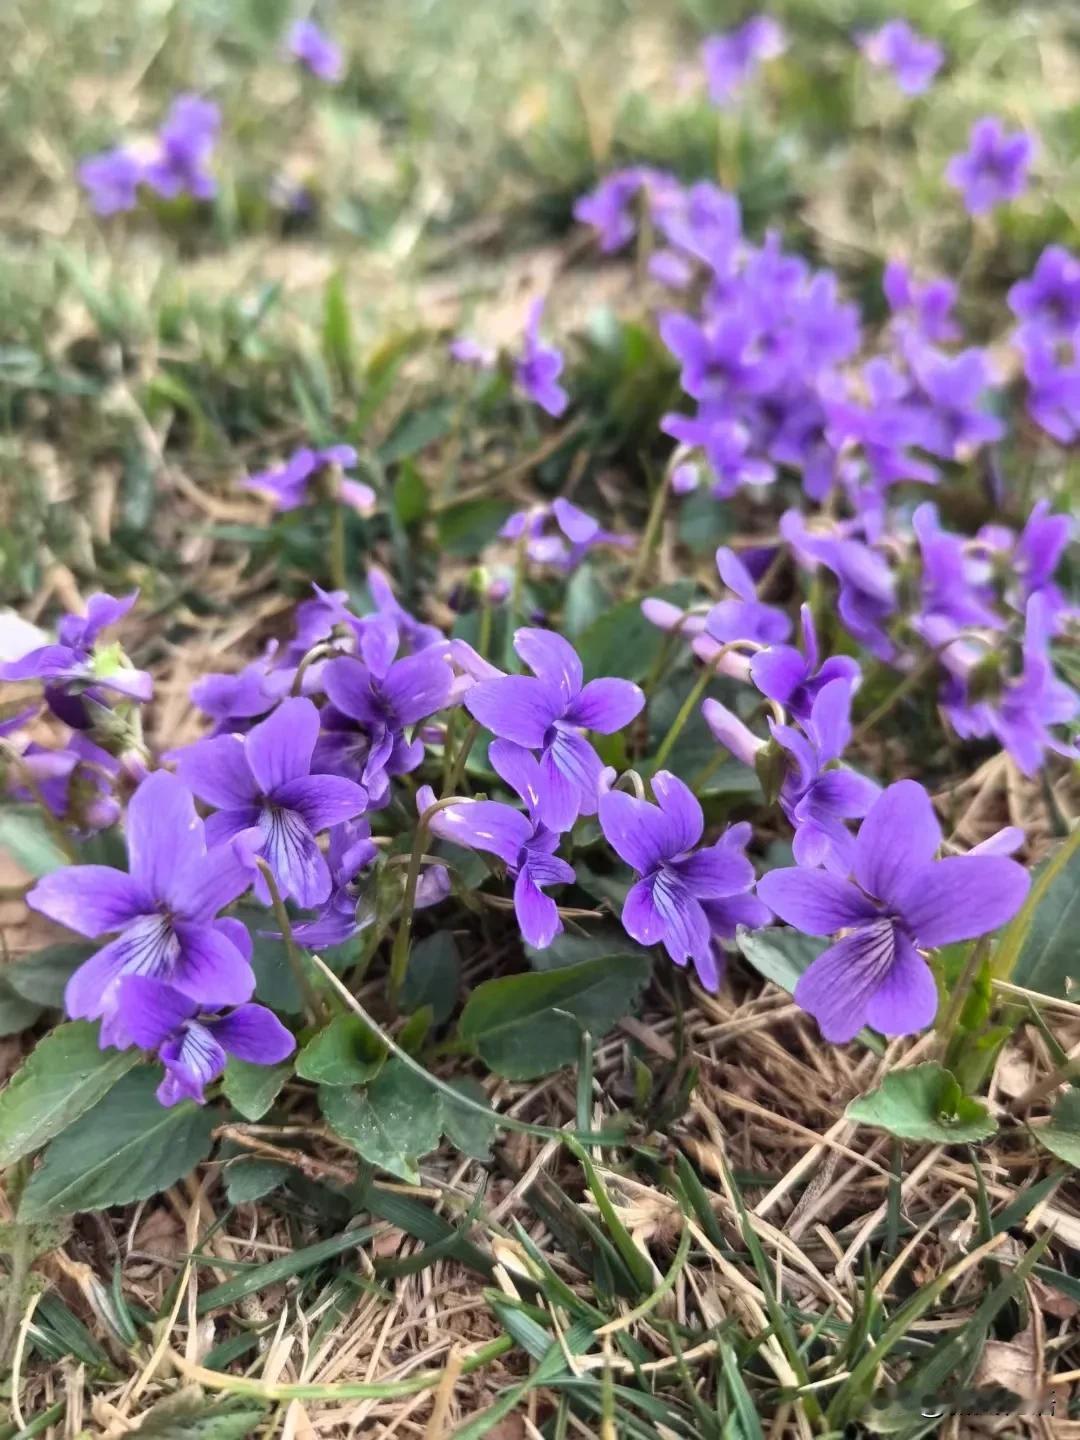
(175, 163)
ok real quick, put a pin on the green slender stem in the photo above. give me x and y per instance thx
(317, 1010)
(399, 955)
(338, 570)
(652, 530)
(457, 772)
(948, 1022)
(909, 683)
(693, 699)
(19, 1258)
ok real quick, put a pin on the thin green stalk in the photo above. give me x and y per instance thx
(338, 570)
(695, 696)
(975, 959)
(19, 1258)
(457, 773)
(909, 683)
(652, 530)
(399, 955)
(317, 1011)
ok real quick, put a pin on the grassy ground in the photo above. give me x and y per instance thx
(752, 1264)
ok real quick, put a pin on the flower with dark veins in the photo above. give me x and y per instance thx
(900, 902)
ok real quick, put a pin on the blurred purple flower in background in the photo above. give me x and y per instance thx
(731, 59)
(185, 142)
(913, 59)
(289, 485)
(315, 50)
(994, 168)
(112, 180)
(578, 534)
(540, 366)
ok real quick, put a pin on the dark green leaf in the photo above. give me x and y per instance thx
(127, 1147)
(1042, 938)
(571, 949)
(347, 1052)
(585, 601)
(466, 527)
(187, 1416)
(433, 976)
(337, 331)
(410, 497)
(296, 1262)
(42, 977)
(415, 432)
(16, 1012)
(253, 1088)
(470, 1132)
(63, 1076)
(250, 1179)
(528, 1025)
(923, 1103)
(1062, 1135)
(622, 642)
(392, 1123)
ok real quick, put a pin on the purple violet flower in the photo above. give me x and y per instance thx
(315, 50)
(112, 180)
(731, 59)
(954, 387)
(1049, 299)
(994, 168)
(745, 618)
(675, 881)
(192, 1046)
(1053, 398)
(867, 598)
(163, 913)
(77, 668)
(522, 842)
(902, 901)
(579, 533)
(793, 677)
(728, 449)
(76, 783)
(547, 711)
(913, 59)
(373, 700)
(185, 142)
(288, 486)
(262, 781)
(540, 366)
(467, 350)
(927, 306)
(350, 849)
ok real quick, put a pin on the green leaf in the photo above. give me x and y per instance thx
(63, 1076)
(43, 976)
(250, 1179)
(16, 1012)
(415, 432)
(1038, 949)
(187, 1416)
(622, 642)
(1062, 1135)
(127, 1147)
(585, 601)
(252, 1089)
(466, 527)
(433, 976)
(347, 1052)
(571, 949)
(780, 955)
(410, 496)
(392, 1123)
(337, 330)
(523, 1026)
(470, 1132)
(26, 837)
(923, 1103)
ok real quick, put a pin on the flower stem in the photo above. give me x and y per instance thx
(652, 529)
(318, 1012)
(694, 697)
(338, 572)
(457, 772)
(399, 955)
(909, 683)
(948, 1022)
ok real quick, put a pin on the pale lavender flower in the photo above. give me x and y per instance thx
(289, 486)
(994, 168)
(731, 59)
(467, 350)
(185, 143)
(913, 59)
(112, 180)
(540, 366)
(315, 50)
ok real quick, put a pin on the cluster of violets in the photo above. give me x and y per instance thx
(176, 160)
(299, 783)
